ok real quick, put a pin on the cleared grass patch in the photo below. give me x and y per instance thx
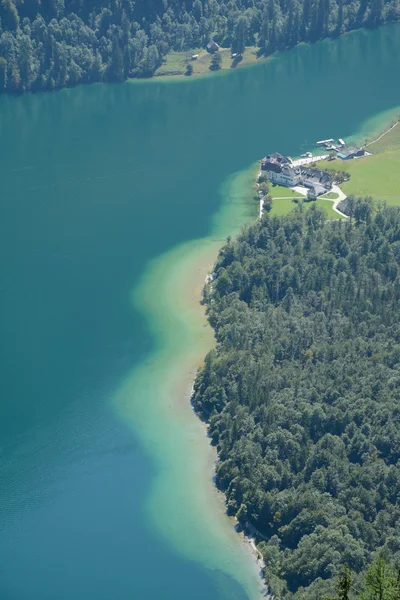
(278, 191)
(330, 196)
(326, 205)
(282, 206)
(175, 63)
(390, 141)
(377, 176)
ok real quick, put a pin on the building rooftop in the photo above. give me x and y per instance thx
(314, 174)
(288, 170)
(317, 189)
(348, 150)
(275, 156)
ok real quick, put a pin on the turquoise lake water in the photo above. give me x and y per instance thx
(96, 183)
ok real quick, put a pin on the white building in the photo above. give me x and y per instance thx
(318, 182)
(288, 177)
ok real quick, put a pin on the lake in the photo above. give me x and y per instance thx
(113, 198)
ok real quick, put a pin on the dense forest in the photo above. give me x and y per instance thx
(302, 393)
(381, 581)
(47, 44)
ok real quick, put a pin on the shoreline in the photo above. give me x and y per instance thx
(179, 422)
(247, 537)
(259, 60)
(375, 127)
(247, 62)
(184, 504)
(179, 78)
(155, 398)
(384, 133)
(385, 125)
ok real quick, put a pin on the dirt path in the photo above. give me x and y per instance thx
(341, 196)
(382, 134)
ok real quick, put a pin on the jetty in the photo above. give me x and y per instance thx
(342, 150)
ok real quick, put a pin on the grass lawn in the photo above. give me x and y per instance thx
(377, 176)
(176, 62)
(282, 206)
(278, 191)
(390, 141)
(327, 206)
(330, 196)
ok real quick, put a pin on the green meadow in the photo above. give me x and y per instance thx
(282, 206)
(175, 63)
(279, 191)
(390, 141)
(284, 200)
(330, 196)
(377, 175)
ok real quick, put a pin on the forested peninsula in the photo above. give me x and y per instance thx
(302, 392)
(48, 44)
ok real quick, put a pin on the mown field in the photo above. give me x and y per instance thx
(282, 206)
(176, 62)
(377, 175)
(279, 191)
(330, 196)
(390, 141)
(282, 202)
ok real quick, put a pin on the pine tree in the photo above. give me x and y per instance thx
(265, 33)
(3, 73)
(239, 37)
(15, 79)
(339, 26)
(344, 584)
(376, 12)
(116, 67)
(381, 582)
(216, 61)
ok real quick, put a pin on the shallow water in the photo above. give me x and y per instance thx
(105, 474)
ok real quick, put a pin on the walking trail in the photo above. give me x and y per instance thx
(383, 134)
(341, 196)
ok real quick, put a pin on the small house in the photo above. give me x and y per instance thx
(212, 46)
(350, 152)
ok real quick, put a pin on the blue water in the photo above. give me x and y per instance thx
(95, 182)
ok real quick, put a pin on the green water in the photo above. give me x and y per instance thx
(110, 195)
